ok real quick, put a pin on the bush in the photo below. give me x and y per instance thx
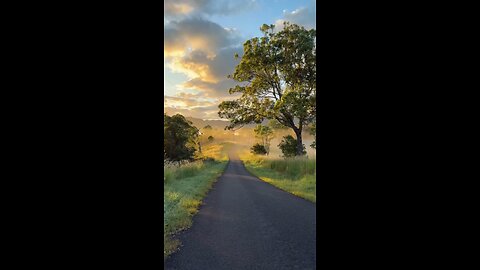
(210, 138)
(208, 159)
(258, 149)
(179, 138)
(289, 146)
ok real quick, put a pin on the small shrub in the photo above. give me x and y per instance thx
(258, 149)
(289, 146)
(208, 159)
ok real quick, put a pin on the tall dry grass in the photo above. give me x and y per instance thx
(294, 175)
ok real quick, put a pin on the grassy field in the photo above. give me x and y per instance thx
(296, 176)
(184, 189)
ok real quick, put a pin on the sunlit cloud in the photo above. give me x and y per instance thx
(186, 102)
(208, 112)
(174, 7)
(218, 90)
(210, 69)
(179, 8)
(183, 37)
(204, 51)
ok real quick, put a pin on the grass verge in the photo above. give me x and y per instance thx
(295, 175)
(184, 189)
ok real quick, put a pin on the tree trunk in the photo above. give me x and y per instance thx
(298, 133)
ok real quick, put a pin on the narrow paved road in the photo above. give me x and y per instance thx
(246, 223)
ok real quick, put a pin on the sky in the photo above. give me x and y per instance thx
(201, 38)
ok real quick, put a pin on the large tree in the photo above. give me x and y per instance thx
(277, 75)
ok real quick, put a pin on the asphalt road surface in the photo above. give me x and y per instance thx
(246, 223)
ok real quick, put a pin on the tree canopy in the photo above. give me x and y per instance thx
(179, 138)
(277, 75)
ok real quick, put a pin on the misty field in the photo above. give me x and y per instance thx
(294, 175)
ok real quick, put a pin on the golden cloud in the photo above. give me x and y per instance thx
(203, 51)
(177, 8)
(183, 37)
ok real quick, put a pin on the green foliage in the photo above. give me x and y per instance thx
(288, 145)
(277, 73)
(179, 138)
(258, 149)
(275, 125)
(265, 135)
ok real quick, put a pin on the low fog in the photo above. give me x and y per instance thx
(244, 139)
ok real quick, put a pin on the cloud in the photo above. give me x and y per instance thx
(196, 34)
(208, 112)
(206, 65)
(179, 102)
(202, 50)
(305, 16)
(217, 90)
(208, 71)
(209, 68)
(213, 82)
(182, 8)
(190, 105)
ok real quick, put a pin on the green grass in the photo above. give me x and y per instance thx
(184, 189)
(296, 176)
